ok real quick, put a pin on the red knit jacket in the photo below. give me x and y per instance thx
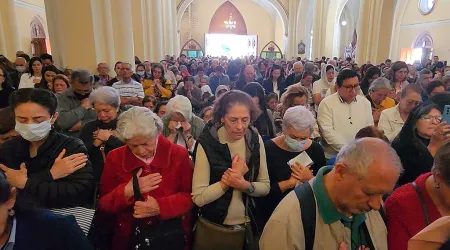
(404, 213)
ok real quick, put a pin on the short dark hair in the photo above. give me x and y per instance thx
(200, 69)
(434, 84)
(442, 163)
(271, 96)
(182, 55)
(371, 131)
(43, 97)
(149, 98)
(46, 57)
(159, 105)
(115, 65)
(306, 74)
(188, 79)
(231, 98)
(344, 75)
(388, 60)
(436, 57)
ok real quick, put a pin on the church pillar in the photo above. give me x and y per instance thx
(176, 29)
(169, 31)
(368, 30)
(292, 28)
(123, 30)
(9, 39)
(318, 26)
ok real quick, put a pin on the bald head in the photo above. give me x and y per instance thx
(298, 67)
(249, 73)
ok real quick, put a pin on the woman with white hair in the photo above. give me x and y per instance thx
(378, 96)
(284, 174)
(181, 126)
(162, 173)
(99, 135)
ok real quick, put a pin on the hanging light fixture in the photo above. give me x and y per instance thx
(344, 23)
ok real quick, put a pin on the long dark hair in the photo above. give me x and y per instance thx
(163, 78)
(370, 72)
(275, 67)
(44, 84)
(30, 65)
(263, 123)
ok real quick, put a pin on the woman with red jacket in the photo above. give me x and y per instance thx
(410, 209)
(164, 173)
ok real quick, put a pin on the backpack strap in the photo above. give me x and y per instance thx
(422, 203)
(305, 196)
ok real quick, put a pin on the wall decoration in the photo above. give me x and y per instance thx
(426, 6)
(271, 50)
(192, 49)
(301, 48)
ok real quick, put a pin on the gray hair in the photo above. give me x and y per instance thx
(105, 95)
(82, 76)
(442, 163)
(297, 63)
(380, 83)
(310, 67)
(138, 121)
(359, 154)
(424, 72)
(300, 118)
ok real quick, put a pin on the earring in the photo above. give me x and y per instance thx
(11, 212)
(437, 186)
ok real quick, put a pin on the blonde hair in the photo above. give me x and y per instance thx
(293, 91)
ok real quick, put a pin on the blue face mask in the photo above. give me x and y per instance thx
(140, 73)
(295, 145)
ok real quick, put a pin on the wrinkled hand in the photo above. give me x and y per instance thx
(239, 165)
(103, 134)
(86, 103)
(233, 178)
(146, 183)
(301, 173)
(173, 127)
(145, 209)
(16, 178)
(66, 166)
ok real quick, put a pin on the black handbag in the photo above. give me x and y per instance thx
(161, 235)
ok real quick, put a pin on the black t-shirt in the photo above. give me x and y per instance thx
(279, 170)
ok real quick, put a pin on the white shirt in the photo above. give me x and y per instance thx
(339, 121)
(131, 89)
(391, 122)
(26, 81)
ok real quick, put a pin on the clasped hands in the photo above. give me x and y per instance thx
(149, 207)
(234, 176)
(300, 173)
(101, 136)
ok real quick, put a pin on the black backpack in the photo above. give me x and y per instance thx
(305, 196)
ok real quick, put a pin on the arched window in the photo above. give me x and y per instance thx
(39, 42)
(424, 40)
(192, 49)
(271, 50)
(37, 28)
(228, 20)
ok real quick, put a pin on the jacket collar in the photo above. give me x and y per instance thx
(161, 160)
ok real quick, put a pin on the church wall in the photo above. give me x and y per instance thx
(24, 16)
(437, 23)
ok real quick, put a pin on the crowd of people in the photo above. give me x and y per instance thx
(214, 153)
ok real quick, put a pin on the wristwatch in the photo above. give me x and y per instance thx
(251, 190)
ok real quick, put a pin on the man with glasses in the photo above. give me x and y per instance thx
(74, 107)
(393, 119)
(342, 114)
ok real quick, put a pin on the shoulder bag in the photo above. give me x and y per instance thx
(161, 235)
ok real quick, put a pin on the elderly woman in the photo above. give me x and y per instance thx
(392, 119)
(157, 85)
(181, 126)
(230, 167)
(428, 195)
(298, 125)
(60, 83)
(163, 173)
(24, 227)
(49, 168)
(99, 135)
(421, 136)
(378, 97)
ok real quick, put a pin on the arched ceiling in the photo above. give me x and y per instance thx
(271, 6)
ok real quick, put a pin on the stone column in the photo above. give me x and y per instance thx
(368, 29)
(318, 26)
(9, 40)
(123, 30)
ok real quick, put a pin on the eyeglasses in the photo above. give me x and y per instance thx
(412, 102)
(349, 88)
(429, 118)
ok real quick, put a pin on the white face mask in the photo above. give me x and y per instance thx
(21, 69)
(34, 132)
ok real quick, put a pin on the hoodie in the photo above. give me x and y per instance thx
(321, 86)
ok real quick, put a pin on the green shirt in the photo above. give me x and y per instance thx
(329, 213)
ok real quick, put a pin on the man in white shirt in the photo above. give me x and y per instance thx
(131, 92)
(342, 114)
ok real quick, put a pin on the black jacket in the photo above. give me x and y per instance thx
(44, 230)
(73, 190)
(268, 86)
(95, 154)
(413, 151)
(5, 92)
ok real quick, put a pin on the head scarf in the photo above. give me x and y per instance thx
(182, 105)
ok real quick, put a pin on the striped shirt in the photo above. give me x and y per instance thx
(131, 89)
